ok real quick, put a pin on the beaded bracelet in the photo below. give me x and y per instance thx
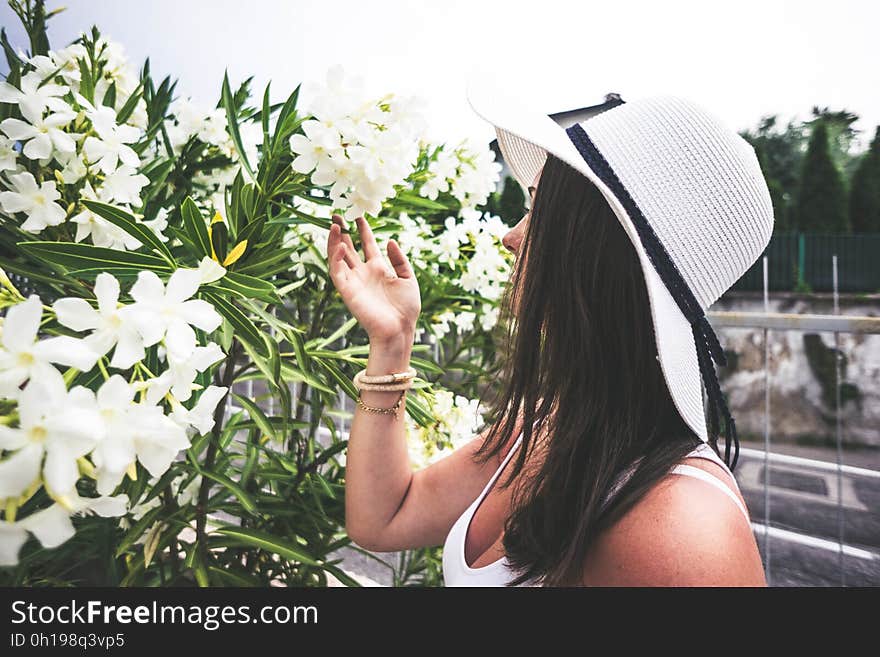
(360, 383)
(394, 377)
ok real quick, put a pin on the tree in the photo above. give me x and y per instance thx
(821, 204)
(840, 136)
(864, 197)
(509, 203)
(780, 153)
(777, 193)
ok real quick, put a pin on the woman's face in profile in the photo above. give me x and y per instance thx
(514, 237)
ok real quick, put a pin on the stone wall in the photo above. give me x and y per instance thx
(802, 373)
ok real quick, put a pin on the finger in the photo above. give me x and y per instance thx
(339, 270)
(333, 239)
(344, 231)
(351, 257)
(398, 260)
(371, 249)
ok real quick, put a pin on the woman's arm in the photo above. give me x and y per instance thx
(388, 506)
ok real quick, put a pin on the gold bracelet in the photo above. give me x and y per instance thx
(375, 409)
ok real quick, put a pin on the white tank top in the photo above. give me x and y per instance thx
(456, 572)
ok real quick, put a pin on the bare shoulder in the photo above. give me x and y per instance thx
(683, 532)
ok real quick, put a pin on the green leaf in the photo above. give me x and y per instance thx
(252, 232)
(425, 365)
(291, 373)
(345, 382)
(130, 225)
(320, 343)
(137, 530)
(110, 101)
(128, 108)
(234, 578)
(246, 501)
(244, 329)
(76, 255)
(269, 543)
(232, 125)
(282, 125)
(341, 575)
(412, 198)
(198, 566)
(257, 415)
(247, 287)
(262, 364)
(278, 260)
(219, 239)
(264, 118)
(195, 226)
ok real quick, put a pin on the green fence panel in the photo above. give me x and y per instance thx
(803, 261)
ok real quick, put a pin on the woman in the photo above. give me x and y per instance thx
(596, 402)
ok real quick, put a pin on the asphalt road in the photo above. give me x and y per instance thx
(807, 507)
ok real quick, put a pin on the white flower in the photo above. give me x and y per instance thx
(211, 270)
(110, 324)
(37, 202)
(161, 313)
(52, 526)
(201, 416)
(111, 145)
(39, 134)
(360, 147)
(73, 167)
(52, 422)
(465, 321)
(179, 377)
(318, 144)
(158, 224)
(489, 318)
(32, 98)
(66, 60)
(22, 357)
(103, 233)
(441, 170)
(132, 432)
(124, 185)
(8, 154)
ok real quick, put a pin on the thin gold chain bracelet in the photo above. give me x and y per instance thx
(393, 410)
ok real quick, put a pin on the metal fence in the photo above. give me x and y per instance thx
(802, 262)
(851, 490)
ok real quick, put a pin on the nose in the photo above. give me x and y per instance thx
(509, 241)
(513, 238)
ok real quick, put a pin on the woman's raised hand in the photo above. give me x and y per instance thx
(384, 298)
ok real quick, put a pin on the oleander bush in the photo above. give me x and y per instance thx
(175, 363)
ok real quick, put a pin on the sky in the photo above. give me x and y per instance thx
(741, 60)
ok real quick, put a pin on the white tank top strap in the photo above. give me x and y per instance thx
(705, 451)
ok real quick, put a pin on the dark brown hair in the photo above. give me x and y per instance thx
(581, 370)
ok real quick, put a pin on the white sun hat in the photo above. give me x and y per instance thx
(691, 196)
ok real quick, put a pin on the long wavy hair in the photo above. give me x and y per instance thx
(582, 370)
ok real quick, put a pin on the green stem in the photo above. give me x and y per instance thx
(211, 456)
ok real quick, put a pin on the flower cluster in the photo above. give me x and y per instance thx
(190, 120)
(54, 434)
(459, 421)
(467, 172)
(470, 254)
(359, 147)
(84, 137)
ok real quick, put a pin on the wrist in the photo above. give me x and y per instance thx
(389, 355)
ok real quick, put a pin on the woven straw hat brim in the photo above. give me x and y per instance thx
(525, 136)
